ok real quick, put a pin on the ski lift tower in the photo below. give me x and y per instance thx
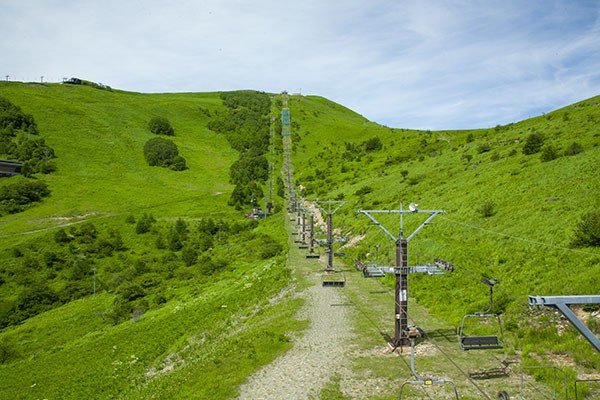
(330, 240)
(401, 269)
(285, 116)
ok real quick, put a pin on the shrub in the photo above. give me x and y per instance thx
(587, 231)
(144, 224)
(573, 149)
(487, 209)
(549, 153)
(363, 190)
(15, 196)
(484, 148)
(177, 163)
(161, 126)
(373, 144)
(163, 153)
(61, 236)
(533, 143)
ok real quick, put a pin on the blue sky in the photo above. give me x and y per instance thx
(434, 64)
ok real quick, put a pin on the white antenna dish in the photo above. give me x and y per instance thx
(413, 207)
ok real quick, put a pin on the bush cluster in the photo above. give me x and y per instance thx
(164, 153)
(160, 126)
(19, 140)
(587, 231)
(534, 143)
(19, 193)
(246, 125)
(178, 251)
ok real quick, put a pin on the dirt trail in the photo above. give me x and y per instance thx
(318, 354)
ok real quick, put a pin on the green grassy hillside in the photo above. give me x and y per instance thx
(99, 135)
(188, 290)
(189, 307)
(509, 215)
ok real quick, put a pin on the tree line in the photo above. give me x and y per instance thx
(245, 123)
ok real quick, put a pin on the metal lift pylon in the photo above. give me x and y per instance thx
(562, 303)
(328, 279)
(401, 268)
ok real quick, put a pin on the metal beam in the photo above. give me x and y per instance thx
(562, 304)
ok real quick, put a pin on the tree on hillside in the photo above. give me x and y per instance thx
(163, 153)
(19, 140)
(373, 144)
(534, 143)
(161, 126)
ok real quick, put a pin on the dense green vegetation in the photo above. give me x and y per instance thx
(160, 152)
(160, 126)
(246, 124)
(19, 193)
(20, 141)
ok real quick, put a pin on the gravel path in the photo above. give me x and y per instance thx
(316, 356)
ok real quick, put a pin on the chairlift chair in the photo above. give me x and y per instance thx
(477, 341)
(334, 279)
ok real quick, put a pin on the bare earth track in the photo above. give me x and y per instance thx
(317, 356)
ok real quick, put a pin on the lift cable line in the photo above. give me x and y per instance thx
(401, 268)
(588, 253)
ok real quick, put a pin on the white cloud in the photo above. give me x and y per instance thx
(431, 65)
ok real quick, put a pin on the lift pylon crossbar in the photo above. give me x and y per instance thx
(562, 304)
(432, 212)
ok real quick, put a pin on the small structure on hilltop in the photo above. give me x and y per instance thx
(73, 81)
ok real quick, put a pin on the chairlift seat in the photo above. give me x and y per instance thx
(313, 256)
(334, 283)
(480, 343)
(329, 280)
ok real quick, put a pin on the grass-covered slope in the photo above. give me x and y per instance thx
(188, 309)
(188, 290)
(509, 215)
(99, 136)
